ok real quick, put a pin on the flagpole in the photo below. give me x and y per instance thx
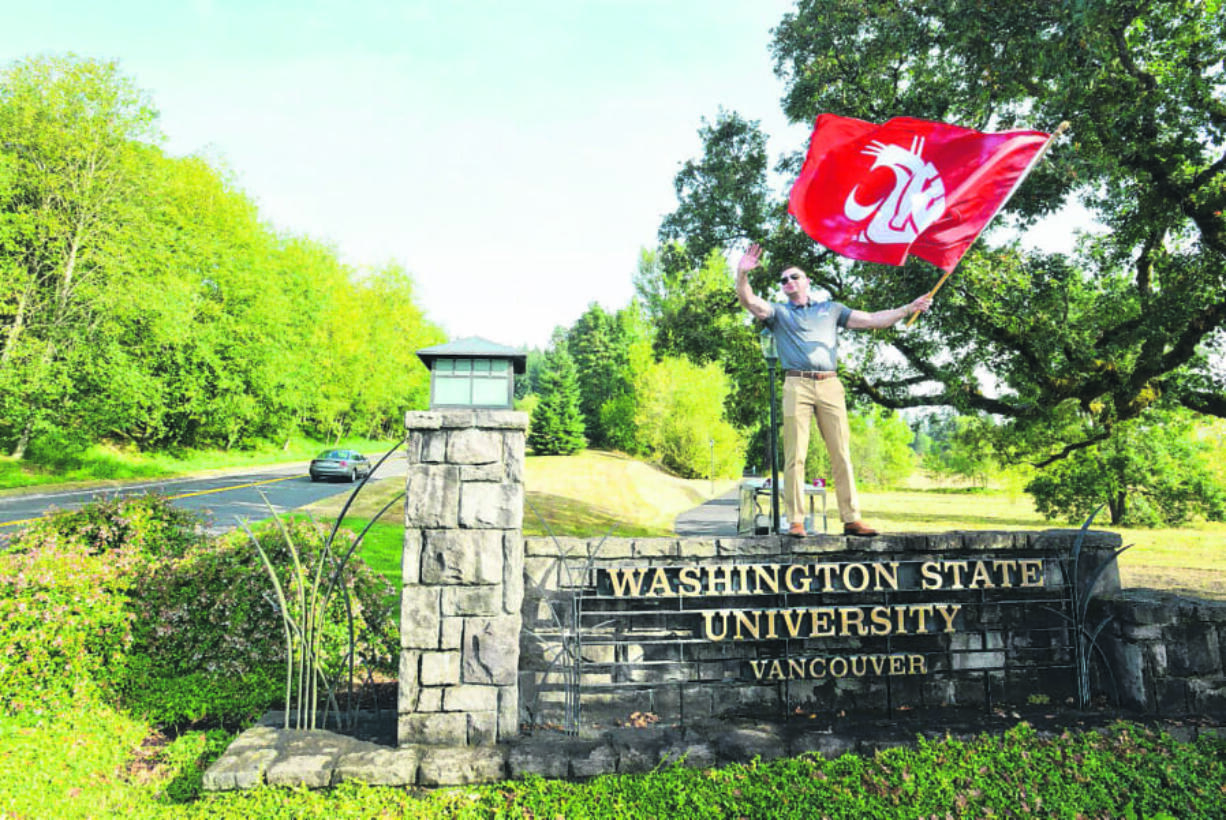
(1022, 178)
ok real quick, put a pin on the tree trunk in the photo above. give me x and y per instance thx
(1118, 506)
(23, 441)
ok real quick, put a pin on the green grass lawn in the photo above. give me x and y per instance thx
(104, 464)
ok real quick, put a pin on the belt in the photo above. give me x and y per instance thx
(815, 375)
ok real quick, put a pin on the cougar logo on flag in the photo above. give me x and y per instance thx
(917, 200)
(853, 206)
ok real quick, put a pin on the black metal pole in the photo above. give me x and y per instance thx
(774, 449)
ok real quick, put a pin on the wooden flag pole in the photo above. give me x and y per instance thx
(1038, 156)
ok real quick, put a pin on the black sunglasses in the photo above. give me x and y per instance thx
(783, 280)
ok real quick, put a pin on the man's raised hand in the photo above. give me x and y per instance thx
(750, 259)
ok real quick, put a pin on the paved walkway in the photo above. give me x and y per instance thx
(714, 518)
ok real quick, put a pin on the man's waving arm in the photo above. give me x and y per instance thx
(859, 320)
(756, 305)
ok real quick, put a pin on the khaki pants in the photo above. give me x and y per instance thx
(802, 399)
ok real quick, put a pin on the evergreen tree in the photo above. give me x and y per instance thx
(557, 422)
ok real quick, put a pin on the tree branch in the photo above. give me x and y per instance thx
(1072, 448)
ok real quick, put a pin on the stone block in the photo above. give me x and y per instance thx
(462, 557)
(987, 541)
(513, 456)
(378, 767)
(431, 699)
(693, 755)
(491, 506)
(432, 496)
(762, 545)
(422, 420)
(474, 446)
(469, 601)
(306, 759)
(409, 685)
(440, 668)
(410, 559)
(419, 617)
(508, 713)
(500, 420)
(606, 549)
(697, 548)
(482, 728)
(655, 548)
(435, 728)
(1172, 696)
(457, 419)
(470, 698)
(512, 573)
(743, 743)
(819, 545)
(600, 759)
(451, 635)
(460, 767)
(433, 446)
(554, 547)
(539, 756)
(491, 650)
(943, 541)
(241, 769)
(1208, 696)
(481, 472)
(1192, 649)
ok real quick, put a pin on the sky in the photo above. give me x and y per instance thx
(513, 156)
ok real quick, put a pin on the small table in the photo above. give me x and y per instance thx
(755, 506)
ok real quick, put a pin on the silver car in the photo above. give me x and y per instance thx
(347, 464)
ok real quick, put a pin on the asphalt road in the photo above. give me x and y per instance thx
(223, 499)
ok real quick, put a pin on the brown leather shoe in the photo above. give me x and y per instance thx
(797, 530)
(858, 528)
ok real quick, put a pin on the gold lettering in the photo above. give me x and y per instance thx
(714, 584)
(823, 622)
(791, 585)
(793, 618)
(848, 614)
(921, 612)
(796, 668)
(770, 624)
(814, 665)
(838, 667)
(1032, 573)
(878, 664)
(659, 585)
(743, 620)
(1003, 568)
(958, 568)
(900, 617)
(931, 571)
(766, 577)
(626, 580)
(948, 612)
(880, 616)
(776, 671)
(859, 669)
(758, 668)
(691, 583)
(826, 570)
(887, 573)
(980, 578)
(863, 570)
(918, 665)
(707, 618)
(743, 569)
(896, 665)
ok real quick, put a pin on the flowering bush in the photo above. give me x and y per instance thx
(67, 623)
(124, 599)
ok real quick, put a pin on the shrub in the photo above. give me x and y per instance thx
(67, 623)
(124, 599)
(209, 634)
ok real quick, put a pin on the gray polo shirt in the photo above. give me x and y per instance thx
(807, 337)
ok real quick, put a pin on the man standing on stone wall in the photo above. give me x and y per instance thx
(806, 337)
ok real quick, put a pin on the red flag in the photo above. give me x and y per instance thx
(880, 192)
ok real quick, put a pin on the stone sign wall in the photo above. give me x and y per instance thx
(686, 629)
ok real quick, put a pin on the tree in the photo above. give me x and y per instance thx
(71, 132)
(595, 344)
(1135, 317)
(1156, 471)
(556, 426)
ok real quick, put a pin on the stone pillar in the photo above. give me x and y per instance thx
(463, 577)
